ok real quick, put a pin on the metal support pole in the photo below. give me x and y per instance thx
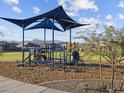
(29, 55)
(23, 53)
(70, 46)
(53, 44)
(44, 36)
(60, 58)
(23, 36)
(64, 59)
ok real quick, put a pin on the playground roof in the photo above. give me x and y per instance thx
(46, 24)
(61, 17)
(57, 14)
(23, 23)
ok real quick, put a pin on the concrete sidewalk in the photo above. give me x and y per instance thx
(12, 86)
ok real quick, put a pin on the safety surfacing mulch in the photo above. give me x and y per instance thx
(41, 73)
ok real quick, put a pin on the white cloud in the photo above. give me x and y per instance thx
(109, 17)
(74, 6)
(92, 21)
(121, 4)
(110, 23)
(16, 9)
(84, 4)
(121, 16)
(7, 34)
(93, 24)
(2, 29)
(1, 34)
(14, 4)
(11, 2)
(72, 13)
(36, 10)
(63, 3)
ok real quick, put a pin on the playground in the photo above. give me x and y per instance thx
(64, 61)
(67, 53)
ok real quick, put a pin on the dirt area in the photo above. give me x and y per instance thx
(42, 73)
(83, 86)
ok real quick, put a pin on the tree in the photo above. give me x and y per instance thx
(113, 49)
(91, 45)
(109, 45)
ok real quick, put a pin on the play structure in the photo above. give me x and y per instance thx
(44, 55)
(45, 21)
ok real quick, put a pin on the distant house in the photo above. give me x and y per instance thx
(32, 45)
(6, 46)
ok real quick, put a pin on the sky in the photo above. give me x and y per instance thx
(102, 12)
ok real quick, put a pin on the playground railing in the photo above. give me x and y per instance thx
(43, 55)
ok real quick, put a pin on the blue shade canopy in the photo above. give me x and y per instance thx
(57, 14)
(61, 17)
(70, 24)
(23, 23)
(46, 24)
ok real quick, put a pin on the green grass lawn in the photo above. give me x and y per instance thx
(13, 56)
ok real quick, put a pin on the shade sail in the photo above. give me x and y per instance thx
(57, 14)
(23, 23)
(60, 16)
(46, 24)
(67, 25)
